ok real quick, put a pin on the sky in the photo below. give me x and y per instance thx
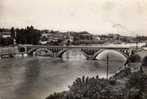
(126, 17)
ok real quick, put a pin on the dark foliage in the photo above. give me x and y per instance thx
(96, 88)
(88, 88)
(28, 35)
(135, 80)
(6, 41)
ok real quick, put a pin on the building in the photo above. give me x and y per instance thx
(5, 37)
(6, 34)
(52, 37)
(96, 37)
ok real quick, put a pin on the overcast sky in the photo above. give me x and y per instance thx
(96, 16)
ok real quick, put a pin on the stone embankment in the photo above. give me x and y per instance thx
(7, 52)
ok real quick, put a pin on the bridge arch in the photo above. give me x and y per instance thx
(60, 54)
(102, 50)
(144, 61)
(21, 49)
(40, 52)
(143, 55)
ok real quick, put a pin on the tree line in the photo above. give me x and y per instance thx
(28, 35)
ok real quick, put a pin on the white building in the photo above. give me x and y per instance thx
(6, 34)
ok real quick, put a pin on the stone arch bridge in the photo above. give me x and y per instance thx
(89, 52)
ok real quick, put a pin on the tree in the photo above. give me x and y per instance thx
(12, 32)
(29, 35)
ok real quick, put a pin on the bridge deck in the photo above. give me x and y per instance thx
(43, 46)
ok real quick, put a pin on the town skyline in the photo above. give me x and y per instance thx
(45, 30)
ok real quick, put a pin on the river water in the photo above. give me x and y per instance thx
(37, 77)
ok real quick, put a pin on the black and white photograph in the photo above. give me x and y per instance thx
(73, 49)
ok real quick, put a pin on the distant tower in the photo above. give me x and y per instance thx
(13, 35)
(69, 38)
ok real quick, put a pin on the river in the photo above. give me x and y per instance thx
(37, 77)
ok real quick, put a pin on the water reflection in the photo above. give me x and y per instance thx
(37, 77)
(114, 55)
(31, 76)
(73, 54)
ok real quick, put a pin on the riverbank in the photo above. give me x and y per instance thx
(10, 52)
(125, 85)
(145, 82)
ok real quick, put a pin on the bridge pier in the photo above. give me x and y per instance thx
(25, 52)
(55, 55)
(90, 53)
(90, 58)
